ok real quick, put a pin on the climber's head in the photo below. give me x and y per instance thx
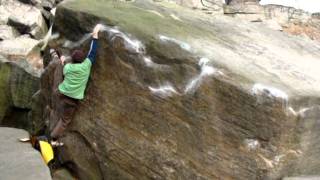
(77, 56)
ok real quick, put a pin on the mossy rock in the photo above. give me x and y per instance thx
(17, 87)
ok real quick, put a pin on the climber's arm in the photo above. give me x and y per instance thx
(93, 50)
(94, 43)
(55, 55)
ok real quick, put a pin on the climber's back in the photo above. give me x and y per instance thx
(76, 74)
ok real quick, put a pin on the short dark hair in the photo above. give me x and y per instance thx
(77, 56)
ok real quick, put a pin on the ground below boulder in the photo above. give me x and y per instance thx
(19, 160)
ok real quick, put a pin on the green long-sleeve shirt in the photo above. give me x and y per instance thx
(75, 79)
(76, 75)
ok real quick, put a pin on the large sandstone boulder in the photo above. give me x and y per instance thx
(214, 5)
(19, 160)
(189, 96)
(22, 48)
(7, 32)
(20, 64)
(26, 18)
(28, 21)
(18, 83)
(62, 174)
(285, 15)
(277, 17)
(302, 178)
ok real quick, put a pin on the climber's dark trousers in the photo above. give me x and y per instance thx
(66, 109)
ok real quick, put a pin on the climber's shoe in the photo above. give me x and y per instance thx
(56, 143)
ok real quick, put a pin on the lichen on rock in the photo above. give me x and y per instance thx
(17, 88)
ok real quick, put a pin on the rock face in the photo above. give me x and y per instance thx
(7, 32)
(19, 160)
(22, 48)
(310, 28)
(62, 174)
(21, 28)
(302, 178)
(177, 94)
(26, 18)
(293, 21)
(206, 6)
(17, 88)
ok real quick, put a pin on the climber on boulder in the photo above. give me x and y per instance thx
(74, 77)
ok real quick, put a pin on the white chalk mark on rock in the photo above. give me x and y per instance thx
(130, 43)
(203, 61)
(206, 70)
(277, 159)
(262, 91)
(193, 85)
(148, 61)
(282, 157)
(164, 90)
(252, 144)
(156, 13)
(270, 91)
(269, 163)
(304, 111)
(109, 29)
(72, 45)
(135, 44)
(292, 111)
(182, 44)
(175, 17)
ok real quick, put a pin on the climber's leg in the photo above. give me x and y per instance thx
(68, 106)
